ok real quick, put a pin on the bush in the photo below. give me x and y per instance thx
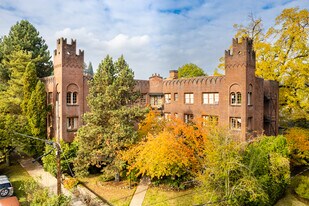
(303, 187)
(70, 183)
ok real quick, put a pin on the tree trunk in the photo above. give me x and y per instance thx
(7, 159)
(117, 176)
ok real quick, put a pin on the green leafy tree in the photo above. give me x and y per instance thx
(267, 159)
(190, 70)
(68, 155)
(23, 36)
(36, 115)
(29, 81)
(109, 126)
(226, 180)
(282, 55)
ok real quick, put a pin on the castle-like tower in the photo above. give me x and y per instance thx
(67, 91)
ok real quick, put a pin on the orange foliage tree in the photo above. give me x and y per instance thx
(171, 149)
(298, 142)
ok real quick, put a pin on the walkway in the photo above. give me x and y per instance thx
(45, 179)
(140, 192)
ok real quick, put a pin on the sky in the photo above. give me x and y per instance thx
(154, 36)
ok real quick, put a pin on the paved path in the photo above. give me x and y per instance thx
(45, 179)
(140, 192)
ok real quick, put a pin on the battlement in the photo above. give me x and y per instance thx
(155, 75)
(240, 45)
(66, 54)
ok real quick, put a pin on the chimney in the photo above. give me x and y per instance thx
(173, 74)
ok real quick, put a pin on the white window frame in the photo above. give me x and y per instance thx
(188, 118)
(167, 98)
(72, 123)
(211, 98)
(235, 123)
(189, 98)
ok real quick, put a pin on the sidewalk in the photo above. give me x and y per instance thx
(45, 179)
(140, 192)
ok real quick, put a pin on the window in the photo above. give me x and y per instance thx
(50, 98)
(235, 123)
(210, 98)
(72, 98)
(249, 124)
(249, 98)
(167, 116)
(143, 99)
(72, 123)
(189, 98)
(188, 118)
(167, 98)
(236, 98)
(211, 118)
(176, 97)
(238, 95)
(176, 115)
(156, 100)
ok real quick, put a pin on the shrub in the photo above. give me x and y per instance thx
(70, 183)
(303, 187)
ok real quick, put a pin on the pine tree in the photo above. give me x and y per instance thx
(29, 82)
(109, 126)
(24, 36)
(90, 69)
(36, 115)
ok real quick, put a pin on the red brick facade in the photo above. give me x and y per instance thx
(239, 99)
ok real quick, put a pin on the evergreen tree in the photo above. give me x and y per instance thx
(24, 36)
(90, 69)
(36, 115)
(29, 81)
(109, 126)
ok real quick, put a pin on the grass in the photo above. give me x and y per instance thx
(17, 175)
(162, 197)
(116, 193)
(292, 199)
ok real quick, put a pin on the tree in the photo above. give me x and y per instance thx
(190, 70)
(298, 142)
(23, 36)
(90, 69)
(109, 126)
(282, 55)
(225, 179)
(36, 116)
(167, 152)
(267, 159)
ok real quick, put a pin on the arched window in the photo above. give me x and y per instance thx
(72, 98)
(238, 96)
(233, 98)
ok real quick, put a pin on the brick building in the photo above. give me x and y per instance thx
(239, 99)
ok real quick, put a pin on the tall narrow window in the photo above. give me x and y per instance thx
(249, 98)
(188, 118)
(189, 98)
(233, 98)
(74, 98)
(69, 100)
(176, 97)
(50, 97)
(238, 94)
(167, 98)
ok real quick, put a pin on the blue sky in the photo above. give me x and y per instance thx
(154, 36)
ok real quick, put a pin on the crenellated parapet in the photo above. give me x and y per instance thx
(196, 81)
(66, 55)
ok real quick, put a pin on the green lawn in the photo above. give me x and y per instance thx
(160, 197)
(17, 176)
